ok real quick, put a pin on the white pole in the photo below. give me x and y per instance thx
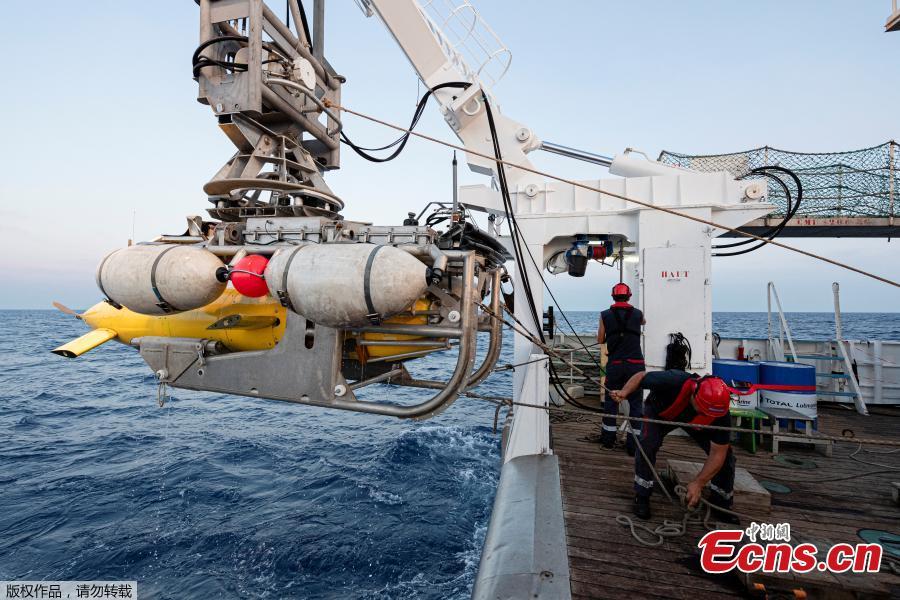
(785, 329)
(848, 367)
(769, 317)
(878, 370)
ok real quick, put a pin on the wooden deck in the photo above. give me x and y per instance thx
(606, 562)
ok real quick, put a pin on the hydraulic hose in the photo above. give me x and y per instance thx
(772, 233)
(401, 141)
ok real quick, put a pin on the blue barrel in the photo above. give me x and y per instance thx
(736, 373)
(787, 373)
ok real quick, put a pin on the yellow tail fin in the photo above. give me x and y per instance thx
(88, 341)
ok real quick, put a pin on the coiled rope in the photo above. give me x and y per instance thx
(668, 528)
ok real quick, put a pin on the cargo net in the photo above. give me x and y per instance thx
(859, 183)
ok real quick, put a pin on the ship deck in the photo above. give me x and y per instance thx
(824, 505)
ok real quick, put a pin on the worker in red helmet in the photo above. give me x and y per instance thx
(620, 330)
(676, 395)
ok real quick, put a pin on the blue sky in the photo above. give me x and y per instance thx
(101, 122)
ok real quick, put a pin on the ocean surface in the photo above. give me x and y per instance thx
(804, 325)
(226, 497)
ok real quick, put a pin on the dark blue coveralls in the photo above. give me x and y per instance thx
(622, 323)
(665, 387)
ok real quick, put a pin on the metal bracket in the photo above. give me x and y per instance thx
(307, 370)
(294, 370)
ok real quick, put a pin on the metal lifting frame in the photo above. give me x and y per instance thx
(295, 373)
(493, 351)
(268, 96)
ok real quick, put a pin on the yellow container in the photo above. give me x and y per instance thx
(375, 351)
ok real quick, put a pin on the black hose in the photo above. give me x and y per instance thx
(517, 240)
(209, 62)
(678, 352)
(305, 24)
(401, 141)
(773, 233)
(216, 40)
(790, 209)
(201, 62)
(514, 224)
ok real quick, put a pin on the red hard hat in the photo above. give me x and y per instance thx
(621, 289)
(713, 397)
(247, 276)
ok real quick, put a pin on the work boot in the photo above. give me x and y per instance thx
(641, 507)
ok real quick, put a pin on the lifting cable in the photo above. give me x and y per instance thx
(615, 195)
(601, 414)
(518, 243)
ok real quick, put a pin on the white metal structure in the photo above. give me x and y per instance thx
(845, 356)
(670, 256)
(777, 349)
(893, 20)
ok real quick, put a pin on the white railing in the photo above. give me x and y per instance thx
(845, 356)
(777, 351)
(467, 40)
(893, 21)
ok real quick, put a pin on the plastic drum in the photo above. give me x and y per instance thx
(738, 374)
(804, 403)
(787, 373)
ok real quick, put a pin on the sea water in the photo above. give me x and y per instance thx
(215, 496)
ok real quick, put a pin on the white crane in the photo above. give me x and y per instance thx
(668, 257)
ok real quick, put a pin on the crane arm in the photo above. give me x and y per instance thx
(437, 59)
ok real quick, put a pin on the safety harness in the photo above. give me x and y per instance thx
(683, 400)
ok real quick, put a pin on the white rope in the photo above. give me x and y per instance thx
(668, 528)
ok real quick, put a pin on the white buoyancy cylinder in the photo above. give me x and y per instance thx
(344, 285)
(160, 279)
